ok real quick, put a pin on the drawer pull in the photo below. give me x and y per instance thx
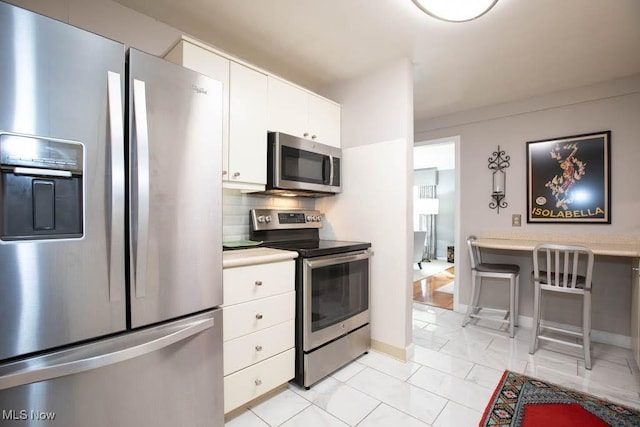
(258, 382)
(258, 282)
(258, 316)
(258, 348)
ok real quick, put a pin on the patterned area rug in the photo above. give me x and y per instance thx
(524, 401)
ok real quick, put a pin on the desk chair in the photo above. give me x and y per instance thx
(479, 270)
(563, 263)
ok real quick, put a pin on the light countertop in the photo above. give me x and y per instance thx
(624, 246)
(242, 257)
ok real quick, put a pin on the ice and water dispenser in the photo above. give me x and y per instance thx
(41, 188)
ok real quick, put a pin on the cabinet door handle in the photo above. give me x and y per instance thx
(236, 174)
(258, 282)
(258, 347)
(224, 173)
(306, 134)
(258, 381)
(258, 316)
(313, 136)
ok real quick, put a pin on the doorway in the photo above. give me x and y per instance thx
(435, 203)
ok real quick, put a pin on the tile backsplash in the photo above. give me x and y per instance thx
(236, 206)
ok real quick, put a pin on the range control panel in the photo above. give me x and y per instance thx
(276, 219)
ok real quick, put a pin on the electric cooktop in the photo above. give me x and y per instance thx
(297, 230)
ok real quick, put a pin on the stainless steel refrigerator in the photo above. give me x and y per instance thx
(110, 232)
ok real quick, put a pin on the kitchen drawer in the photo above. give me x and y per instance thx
(247, 283)
(253, 316)
(247, 384)
(258, 346)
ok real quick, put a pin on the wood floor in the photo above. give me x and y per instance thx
(426, 291)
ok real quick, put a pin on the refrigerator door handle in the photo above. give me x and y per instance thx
(65, 365)
(116, 213)
(142, 219)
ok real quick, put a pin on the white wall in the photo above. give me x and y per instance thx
(376, 203)
(611, 106)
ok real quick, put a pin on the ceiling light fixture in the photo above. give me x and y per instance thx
(455, 10)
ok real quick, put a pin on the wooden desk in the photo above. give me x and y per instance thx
(619, 246)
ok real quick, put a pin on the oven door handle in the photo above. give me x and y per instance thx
(337, 259)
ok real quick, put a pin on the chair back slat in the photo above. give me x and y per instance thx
(474, 253)
(566, 266)
(574, 273)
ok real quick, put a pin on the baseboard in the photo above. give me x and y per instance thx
(610, 338)
(402, 354)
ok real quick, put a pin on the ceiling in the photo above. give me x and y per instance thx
(520, 49)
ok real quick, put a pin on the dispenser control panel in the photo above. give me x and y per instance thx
(35, 152)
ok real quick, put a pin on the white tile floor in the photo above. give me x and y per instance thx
(448, 382)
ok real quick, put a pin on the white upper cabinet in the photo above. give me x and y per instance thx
(244, 148)
(324, 120)
(255, 102)
(287, 110)
(295, 111)
(247, 126)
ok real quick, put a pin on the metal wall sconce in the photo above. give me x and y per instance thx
(498, 163)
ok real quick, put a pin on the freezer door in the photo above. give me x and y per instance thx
(175, 152)
(163, 376)
(60, 83)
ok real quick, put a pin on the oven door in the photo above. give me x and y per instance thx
(335, 296)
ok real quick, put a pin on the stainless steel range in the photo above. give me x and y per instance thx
(332, 290)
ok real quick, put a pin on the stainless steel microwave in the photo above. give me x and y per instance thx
(301, 167)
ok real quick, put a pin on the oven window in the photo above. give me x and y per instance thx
(338, 292)
(302, 166)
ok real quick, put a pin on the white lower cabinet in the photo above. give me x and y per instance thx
(253, 348)
(254, 381)
(258, 330)
(253, 316)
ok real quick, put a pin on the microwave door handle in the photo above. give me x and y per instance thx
(326, 170)
(331, 170)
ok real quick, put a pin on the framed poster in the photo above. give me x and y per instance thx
(569, 179)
